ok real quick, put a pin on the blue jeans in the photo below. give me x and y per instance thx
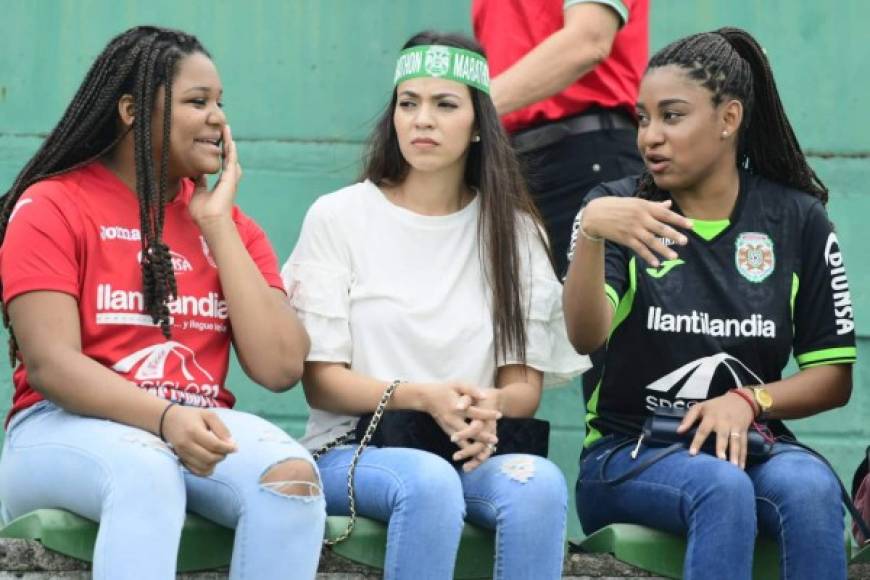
(425, 500)
(130, 481)
(792, 497)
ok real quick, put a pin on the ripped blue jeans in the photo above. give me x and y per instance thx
(130, 481)
(424, 500)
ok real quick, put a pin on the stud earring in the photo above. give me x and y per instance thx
(475, 139)
(724, 134)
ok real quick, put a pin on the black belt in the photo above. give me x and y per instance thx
(554, 131)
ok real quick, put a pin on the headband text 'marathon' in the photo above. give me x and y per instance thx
(446, 62)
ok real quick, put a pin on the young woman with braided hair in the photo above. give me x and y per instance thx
(124, 282)
(716, 264)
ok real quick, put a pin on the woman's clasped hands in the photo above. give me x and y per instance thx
(469, 415)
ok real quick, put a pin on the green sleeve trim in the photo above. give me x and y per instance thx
(795, 283)
(618, 6)
(827, 356)
(827, 363)
(592, 434)
(612, 296)
(624, 307)
(709, 229)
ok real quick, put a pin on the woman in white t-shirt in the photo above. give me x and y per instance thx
(434, 271)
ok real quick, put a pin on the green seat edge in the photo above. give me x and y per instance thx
(204, 544)
(367, 545)
(58, 530)
(663, 553)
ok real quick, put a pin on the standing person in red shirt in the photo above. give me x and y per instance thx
(124, 281)
(565, 80)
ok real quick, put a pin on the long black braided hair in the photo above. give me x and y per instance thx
(731, 64)
(137, 62)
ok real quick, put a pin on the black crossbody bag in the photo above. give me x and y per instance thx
(418, 430)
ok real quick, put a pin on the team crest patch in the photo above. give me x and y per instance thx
(437, 61)
(754, 256)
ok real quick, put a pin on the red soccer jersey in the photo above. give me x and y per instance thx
(509, 29)
(78, 233)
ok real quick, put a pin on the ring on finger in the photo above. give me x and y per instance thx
(491, 447)
(735, 435)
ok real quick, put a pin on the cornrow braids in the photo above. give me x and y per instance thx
(730, 63)
(137, 62)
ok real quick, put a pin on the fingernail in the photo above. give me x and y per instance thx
(454, 438)
(693, 451)
(498, 415)
(684, 240)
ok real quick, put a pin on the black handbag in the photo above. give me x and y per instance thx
(660, 430)
(418, 430)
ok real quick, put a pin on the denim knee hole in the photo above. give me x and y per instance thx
(291, 478)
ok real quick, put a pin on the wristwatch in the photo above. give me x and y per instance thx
(764, 400)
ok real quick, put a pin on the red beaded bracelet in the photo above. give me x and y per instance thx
(748, 400)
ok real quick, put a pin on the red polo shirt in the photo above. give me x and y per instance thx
(508, 29)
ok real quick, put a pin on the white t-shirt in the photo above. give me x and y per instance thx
(398, 295)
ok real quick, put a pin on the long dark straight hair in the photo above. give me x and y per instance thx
(137, 62)
(731, 64)
(493, 170)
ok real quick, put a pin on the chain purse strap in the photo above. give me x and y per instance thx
(347, 437)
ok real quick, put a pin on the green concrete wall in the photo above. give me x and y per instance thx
(305, 78)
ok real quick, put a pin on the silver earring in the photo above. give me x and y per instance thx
(475, 139)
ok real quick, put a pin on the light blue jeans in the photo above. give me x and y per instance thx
(425, 500)
(130, 481)
(792, 497)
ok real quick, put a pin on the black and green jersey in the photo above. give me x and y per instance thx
(743, 294)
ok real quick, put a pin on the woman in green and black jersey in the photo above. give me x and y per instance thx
(717, 264)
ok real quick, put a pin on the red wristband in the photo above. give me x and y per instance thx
(748, 400)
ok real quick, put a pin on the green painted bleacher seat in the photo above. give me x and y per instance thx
(206, 545)
(662, 553)
(367, 545)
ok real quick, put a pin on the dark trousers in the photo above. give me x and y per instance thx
(560, 176)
